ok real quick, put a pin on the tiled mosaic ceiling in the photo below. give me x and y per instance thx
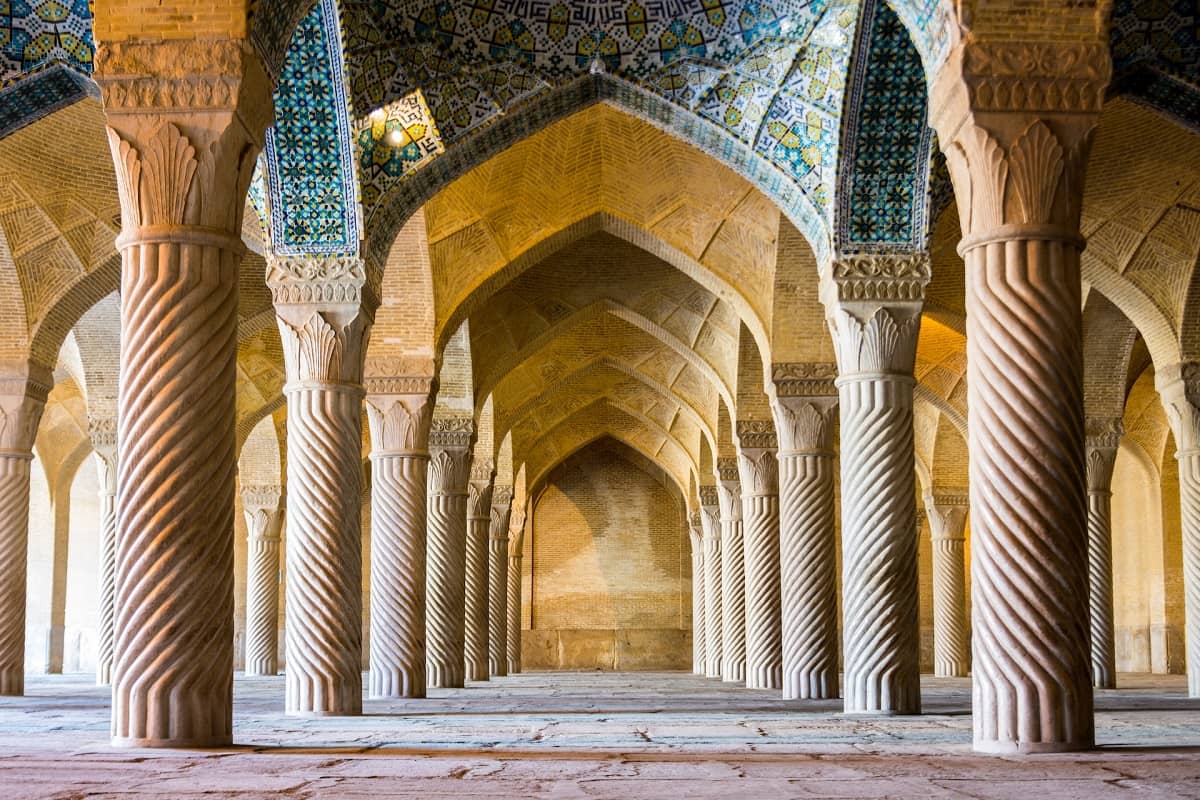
(1156, 59)
(45, 57)
(770, 74)
(310, 164)
(883, 191)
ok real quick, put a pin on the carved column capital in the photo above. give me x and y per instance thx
(317, 281)
(805, 424)
(1015, 120)
(710, 512)
(1179, 387)
(871, 279)
(323, 347)
(1101, 442)
(450, 455)
(23, 392)
(881, 343)
(400, 415)
(758, 471)
(947, 514)
(729, 489)
(479, 489)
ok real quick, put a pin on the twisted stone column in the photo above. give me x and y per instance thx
(479, 518)
(1179, 386)
(710, 524)
(184, 146)
(759, 477)
(948, 527)
(264, 521)
(808, 539)
(498, 580)
(733, 574)
(516, 541)
(876, 348)
(399, 413)
(1015, 121)
(699, 648)
(449, 472)
(103, 432)
(22, 398)
(1103, 439)
(323, 344)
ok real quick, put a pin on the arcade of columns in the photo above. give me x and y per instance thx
(445, 597)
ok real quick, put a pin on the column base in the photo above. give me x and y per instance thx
(354, 713)
(204, 742)
(951, 670)
(1030, 748)
(12, 683)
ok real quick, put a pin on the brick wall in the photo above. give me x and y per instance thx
(609, 566)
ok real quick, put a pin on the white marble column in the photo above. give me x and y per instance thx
(710, 524)
(184, 126)
(497, 606)
(1018, 159)
(699, 649)
(323, 349)
(876, 340)
(1103, 439)
(733, 574)
(103, 433)
(758, 472)
(399, 413)
(22, 398)
(804, 407)
(947, 513)
(475, 605)
(262, 506)
(449, 473)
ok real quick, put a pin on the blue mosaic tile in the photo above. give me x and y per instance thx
(1156, 58)
(310, 163)
(37, 33)
(40, 94)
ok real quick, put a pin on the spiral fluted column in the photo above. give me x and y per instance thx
(699, 648)
(1018, 158)
(264, 521)
(808, 540)
(449, 472)
(733, 574)
(516, 543)
(475, 614)
(759, 477)
(399, 413)
(323, 346)
(22, 398)
(1179, 386)
(710, 525)
(103, 432)
(1103, 439)
(181, 175)
(876, 347)
(951, 635)
(498, 580)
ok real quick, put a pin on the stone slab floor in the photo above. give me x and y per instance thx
(592, 735)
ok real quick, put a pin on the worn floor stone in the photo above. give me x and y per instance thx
(595, 735)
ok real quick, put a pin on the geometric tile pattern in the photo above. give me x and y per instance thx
(769, 74)
(310, 161)
(1155, 57)
(883, 188)
(45, 57)
(394, 141)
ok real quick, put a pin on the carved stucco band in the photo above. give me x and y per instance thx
(449, 471)
(14, 557)
(1101, 450)
(733, 576)
(760, 529)
(263, 522)
(808, 547)
(399, 427)
(699, 648)
(880, 630)
(951, 642)
(498, 581)
(710, 522)
(475, 613)
(324, 552)
(106, 467)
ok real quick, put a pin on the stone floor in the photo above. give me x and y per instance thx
(592, 735)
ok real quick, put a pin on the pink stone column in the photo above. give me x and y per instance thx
(264, 522)
(516, 541)
(710, 524)
(475, 615)
(951, 635)
(399, 413)
(1015, 121)
(804, 412)
(22, 398)
(1103, 440)
(103, 433)
(699, 632)
(449, 473)
(733, 574)
(185, 124)
(758, 470)
(498, 580)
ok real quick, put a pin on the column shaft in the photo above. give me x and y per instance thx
(699, 648)
(513, 633)
(760, 520)
(1103, 439)
(14, 558)
(449, 470)
(951, 642)
(263, 523)
(1189, 504)
(498, 581)
(710, 520)
(733, 576)
(104, 441)
(475, 621)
